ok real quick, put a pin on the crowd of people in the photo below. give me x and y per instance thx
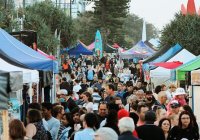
(106, 99)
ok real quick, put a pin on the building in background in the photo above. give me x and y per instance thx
(71, 7)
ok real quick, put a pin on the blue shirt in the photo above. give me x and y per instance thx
(45, 124)
(53, 125)
(85, 134)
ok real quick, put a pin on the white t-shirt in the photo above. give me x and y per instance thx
(76, 88)
(88, 106)
(169, 95)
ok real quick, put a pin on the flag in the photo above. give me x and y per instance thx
(56, 34)
(59, 35)
(183, 9)
(191, 7)
(199, 11)
(144, 34)
(98, 44)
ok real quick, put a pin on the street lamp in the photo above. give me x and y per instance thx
(70, 9)
(5, 6)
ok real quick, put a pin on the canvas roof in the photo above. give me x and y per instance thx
(191, 65)
(163, 57)
(79, 49)
(183, 56)
(17, 53)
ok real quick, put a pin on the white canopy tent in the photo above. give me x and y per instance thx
(160, 74)
(29, 76)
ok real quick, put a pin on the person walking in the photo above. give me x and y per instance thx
(149, 130)
(185, 128)
(126, 128)
(89, 123)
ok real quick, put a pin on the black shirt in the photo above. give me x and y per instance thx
(150, 131)
(177, 133)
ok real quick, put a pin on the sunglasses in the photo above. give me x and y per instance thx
(174, 106)
(103, 102)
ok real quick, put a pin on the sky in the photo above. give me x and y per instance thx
(158, 12)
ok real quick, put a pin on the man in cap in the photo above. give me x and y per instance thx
(174, 106)
(61, 94)
(66, 100)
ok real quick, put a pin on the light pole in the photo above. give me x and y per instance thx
(5, 6)
(24, 4)
(70, 9)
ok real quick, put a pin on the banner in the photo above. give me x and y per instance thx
(98, 44)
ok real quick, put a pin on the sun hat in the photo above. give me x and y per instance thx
(179, 91)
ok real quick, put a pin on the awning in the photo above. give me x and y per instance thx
(46, 55)
(169, 65)
(162, 57)
(191, 65)
(15, 52)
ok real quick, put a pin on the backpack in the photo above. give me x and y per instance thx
(41, 133)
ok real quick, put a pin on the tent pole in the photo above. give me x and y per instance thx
(53, 90)
(30, 92)
(51, 97)
(42, 95)
(37, 92)
(5, 125)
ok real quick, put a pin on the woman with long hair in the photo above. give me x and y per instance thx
(165, 125)
(16, 130)
(87, 97)
(185, 128)
(35, 128)
(189, 109)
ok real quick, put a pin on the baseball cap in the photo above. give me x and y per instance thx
(62, 92)
(174, 104)
(179, 91)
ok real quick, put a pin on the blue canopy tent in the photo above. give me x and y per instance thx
(163, 58)
(78, 50)
(109, 49)
(140, 50)
(15, 52)
(143, 48)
